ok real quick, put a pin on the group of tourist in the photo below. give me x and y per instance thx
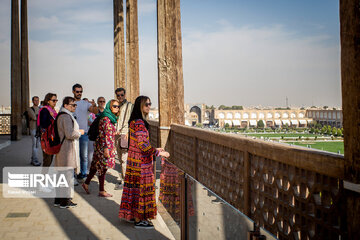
(121, 131)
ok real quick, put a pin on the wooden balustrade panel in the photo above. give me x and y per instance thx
(153, 134)
(5, 124)
(183, 155)
(294, 203)
(221, 169)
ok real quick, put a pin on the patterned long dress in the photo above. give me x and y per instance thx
(138, 197)
(106, 139)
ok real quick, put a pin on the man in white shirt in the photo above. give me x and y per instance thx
(81, 115)
(122, 129)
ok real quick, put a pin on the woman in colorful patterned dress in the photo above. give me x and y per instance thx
(104, 153)
(138, 198)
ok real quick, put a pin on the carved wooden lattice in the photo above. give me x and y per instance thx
(294, 193)
(220, 168)
(153, 133)
(294, 203)
(183, 152)
(5, 120)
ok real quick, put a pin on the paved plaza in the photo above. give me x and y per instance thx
(93, 218)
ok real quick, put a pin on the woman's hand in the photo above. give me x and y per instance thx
(82, 132)
(160, 149)
(164, 154)
(106, 153)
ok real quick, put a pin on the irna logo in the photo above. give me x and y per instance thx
(37, 180)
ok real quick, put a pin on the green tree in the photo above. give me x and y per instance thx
(226, 125)
(329, 130)
(237, 107)
(340, 132)
(334, 131)
(260, 124)
(323, 130)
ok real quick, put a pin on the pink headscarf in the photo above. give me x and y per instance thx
(50, 109)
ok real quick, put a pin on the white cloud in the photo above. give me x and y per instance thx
(251, 66)
(56, 65)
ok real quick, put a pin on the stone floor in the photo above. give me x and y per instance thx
(94, 218)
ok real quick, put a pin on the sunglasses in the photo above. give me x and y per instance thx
(116, 106)
(101, 101)
(78, 91)
(54, 100)
(120, 95)
(74, 105)
(147, 104)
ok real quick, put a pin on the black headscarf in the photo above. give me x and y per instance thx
(136, 112)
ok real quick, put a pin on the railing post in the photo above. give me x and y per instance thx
(247, 179)
(183, 209)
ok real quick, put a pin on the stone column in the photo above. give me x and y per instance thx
(350, 84)
(119, 45)
(170, 72)
(25, 94)
(15, 73)
(132, 51)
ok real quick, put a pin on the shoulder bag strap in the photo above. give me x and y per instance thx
(127, 105)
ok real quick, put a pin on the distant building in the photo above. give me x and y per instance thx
(332, 117)
(274, 118)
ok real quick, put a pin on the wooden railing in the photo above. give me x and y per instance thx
(293, 192)
(5, 125)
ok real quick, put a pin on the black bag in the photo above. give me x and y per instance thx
(93, 132)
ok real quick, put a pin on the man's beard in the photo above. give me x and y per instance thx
(78, 98)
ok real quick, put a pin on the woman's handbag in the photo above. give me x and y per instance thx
(124, 143)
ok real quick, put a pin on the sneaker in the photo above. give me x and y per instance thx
(72, 204)
(56, 203)
(69, 205)
(143, 225)
(63, 206)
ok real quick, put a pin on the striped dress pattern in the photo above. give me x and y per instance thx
(138, 197)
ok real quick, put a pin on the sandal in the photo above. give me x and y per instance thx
(105, 194)
(86, 188)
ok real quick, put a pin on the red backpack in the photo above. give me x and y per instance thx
(50, 139)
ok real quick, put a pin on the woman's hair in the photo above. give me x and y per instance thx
(112, 101)
(67, 100)
(137, 112)
(48, 98)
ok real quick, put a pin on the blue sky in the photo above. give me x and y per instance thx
(234, 52)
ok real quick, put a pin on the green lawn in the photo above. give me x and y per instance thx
(326, 146)
(278, 135)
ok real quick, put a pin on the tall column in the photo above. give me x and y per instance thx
(15, 73)
(170, 72)
(132, 50)
(350, 84)
(25, 94)
(119, 47)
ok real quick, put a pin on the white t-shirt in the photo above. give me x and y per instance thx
(81, 114)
